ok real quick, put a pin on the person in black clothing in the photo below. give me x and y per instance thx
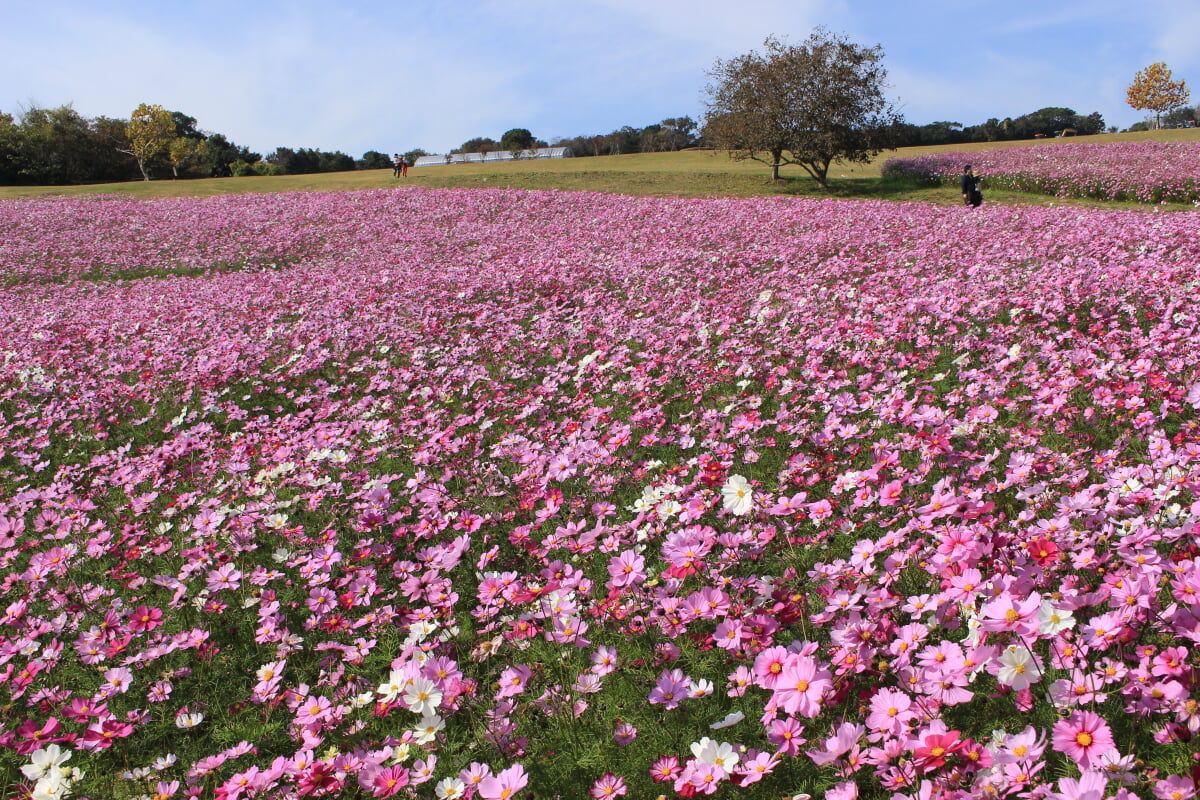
(970, 188)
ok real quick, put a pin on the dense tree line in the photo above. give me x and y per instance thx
(41, 146)
(1043, 122)
(671, 134)
(674, 133)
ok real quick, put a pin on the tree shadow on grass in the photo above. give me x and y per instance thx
(869, 188)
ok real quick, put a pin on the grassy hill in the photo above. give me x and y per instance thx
(692, 173)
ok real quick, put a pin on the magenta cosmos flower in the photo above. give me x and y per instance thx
(1084, 736)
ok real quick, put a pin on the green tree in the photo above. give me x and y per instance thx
(1180, 117)
(184, 151)
(1153, 90)
(334, 162)
(480, 144)
(810, 104)
(678, 132)
(516, 139)
(151, 129)
(373, 159)
(185, 126)
(10, 144)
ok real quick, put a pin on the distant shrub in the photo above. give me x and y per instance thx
(241, 169)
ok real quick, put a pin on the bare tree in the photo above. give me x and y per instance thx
(809, 104)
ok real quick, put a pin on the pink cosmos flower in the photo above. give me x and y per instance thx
(891, 711)
(1090, 785)
(474, 775)
(756, 767)
(768, 666)
(820, 510)
(1175, 787)
(802, 685)
(847, 790)
(787, 734)
(1025, 747)
(505, 784)
(101, 735)
(314, 710)
(936, 748)
(1084, 736)
(1007, 613)
(227, 576)
(845, 740)
(672, 688)
(388, 781)
(626, 569)
(145, 618)
(513, 680)
(609, 785)
(624, 733)
(698, 777)
(665, 769)
(889, 493)
(728, 635)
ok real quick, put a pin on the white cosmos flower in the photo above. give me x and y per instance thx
(422, 696)
(1018, 668)
(737, 495)
(186, 721)
(722, 754)
(1053, 621)
(390, 689)
(428, 729)
(450, 789)
(731, 719)
(45, 761)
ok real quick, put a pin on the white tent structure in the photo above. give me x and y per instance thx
(494, 155)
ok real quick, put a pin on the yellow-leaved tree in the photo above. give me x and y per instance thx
(183, 151)
(1153, 90)
(151, 130)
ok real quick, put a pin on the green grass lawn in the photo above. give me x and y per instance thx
(691, 173)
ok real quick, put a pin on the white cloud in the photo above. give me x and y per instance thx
(370, 74)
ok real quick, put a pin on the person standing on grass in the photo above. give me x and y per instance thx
(970, 188)
(397, 160)
(404, 165)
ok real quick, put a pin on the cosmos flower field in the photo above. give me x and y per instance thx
(1144, 172)
(499, 494)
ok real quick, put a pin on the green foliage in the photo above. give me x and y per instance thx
(59, 146)
(373, 159)
(1180, 117)
(151, 129)
(516, 139)
(308, 160)
(480, 144)
(335, 162)
(1043, 122)
(220, 152)
(241, 168)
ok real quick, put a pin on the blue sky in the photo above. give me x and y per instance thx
(374, 75)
